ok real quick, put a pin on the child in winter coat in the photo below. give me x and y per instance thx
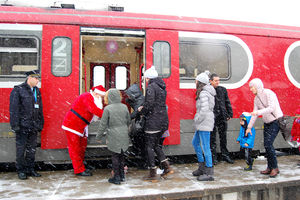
(115, 121)
(245, 140)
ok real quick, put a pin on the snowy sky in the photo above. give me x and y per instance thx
(284, 12)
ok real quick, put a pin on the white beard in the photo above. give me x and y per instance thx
(97, 101)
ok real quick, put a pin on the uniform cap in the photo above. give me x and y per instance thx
(33, 73)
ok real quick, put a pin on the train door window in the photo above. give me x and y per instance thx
(18, 55)
(99, 76)
(61, 56)
(226, 55)
(162, 58)
(121, 77)
(291, 63)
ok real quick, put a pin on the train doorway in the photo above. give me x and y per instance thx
(111, 58)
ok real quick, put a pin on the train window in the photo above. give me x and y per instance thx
(291, 63)
(226, 55)
(18, 55)
(61, 56)
(99, 76)
(121, 78)
(162, 58)
(196, 57)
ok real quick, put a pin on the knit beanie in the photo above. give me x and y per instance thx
(203, 77)
(151, 73)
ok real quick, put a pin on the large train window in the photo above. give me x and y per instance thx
(121, 77)
(99, 76)
(162, 58)
(61, 56)
(226, 55)
(18, 54)
(291, 63)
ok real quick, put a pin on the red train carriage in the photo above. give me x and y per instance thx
(76, 50)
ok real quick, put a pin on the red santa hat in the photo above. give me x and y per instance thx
(99, 89)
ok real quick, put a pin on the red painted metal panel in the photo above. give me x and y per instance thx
(4, 104)
(58, 93)
(172, 82)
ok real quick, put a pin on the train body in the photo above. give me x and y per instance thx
(76, 49)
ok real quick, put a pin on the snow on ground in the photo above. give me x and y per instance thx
(55, 185)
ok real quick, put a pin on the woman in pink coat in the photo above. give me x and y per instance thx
(82, 111)
(267, 105)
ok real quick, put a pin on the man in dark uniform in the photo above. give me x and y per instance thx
(223, 113)
(26, 120)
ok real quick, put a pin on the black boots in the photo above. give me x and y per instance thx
(208, 174)
(227, 159)
(115, 180)
(22, 175)
(167, 169)
(85, 173)
(33, 173)
(200, 169)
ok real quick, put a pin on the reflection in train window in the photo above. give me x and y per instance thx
(162, 58)
(99, 76)
(18, 55)
(121, 78)
(197, 57)
(291, 63)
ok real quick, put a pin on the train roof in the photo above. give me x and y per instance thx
(59, 16)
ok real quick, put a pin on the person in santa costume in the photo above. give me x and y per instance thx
(85, 108)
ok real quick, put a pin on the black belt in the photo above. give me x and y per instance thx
(77, 114)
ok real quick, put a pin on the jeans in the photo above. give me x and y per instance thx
(201, 143)
(118, 163)
(153, 146)
(270, 132)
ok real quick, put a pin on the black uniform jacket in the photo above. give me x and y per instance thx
(26, 112)
(155, 106)
(222, 109)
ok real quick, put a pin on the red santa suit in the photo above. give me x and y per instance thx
(296, 127)
(75, 122)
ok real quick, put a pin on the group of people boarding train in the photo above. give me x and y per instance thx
(213, 110)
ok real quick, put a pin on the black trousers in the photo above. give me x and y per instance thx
(221, 128)
(25, 150)
(118, 163)
(247, 153)
(153, 147)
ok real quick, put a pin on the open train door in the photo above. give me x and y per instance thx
(162, 49)
(60, 80)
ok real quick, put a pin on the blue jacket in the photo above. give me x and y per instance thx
(246, 139)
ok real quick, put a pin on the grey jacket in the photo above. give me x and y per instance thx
(115, 121)
(204, 117)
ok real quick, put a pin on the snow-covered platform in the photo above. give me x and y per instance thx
(231, 182)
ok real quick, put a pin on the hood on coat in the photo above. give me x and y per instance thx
(210, 89)
(159, 82)
(247, 116)
(258, 84)
(113, 96)
(133, 92)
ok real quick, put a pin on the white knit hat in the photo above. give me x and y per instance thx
(151, 73)
(203, 77)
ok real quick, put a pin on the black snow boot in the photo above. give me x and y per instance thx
(208, 174)
(167, 169)
(200, 169)
(115, 180)
(152, 175)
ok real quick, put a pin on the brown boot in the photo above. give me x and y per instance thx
(167, 169)
(152, 175)
(274, 173)
(266, 172)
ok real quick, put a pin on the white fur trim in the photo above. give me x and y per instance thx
(99, 92)
(72, 131)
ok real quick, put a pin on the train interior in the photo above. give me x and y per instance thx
(112, 61)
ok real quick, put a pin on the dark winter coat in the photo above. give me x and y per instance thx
(115, 121)
(154, 108)
(135, 98)
(222, 109)
(23, 114)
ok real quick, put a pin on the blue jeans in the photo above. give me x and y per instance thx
(270, 132)
(201, 143)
